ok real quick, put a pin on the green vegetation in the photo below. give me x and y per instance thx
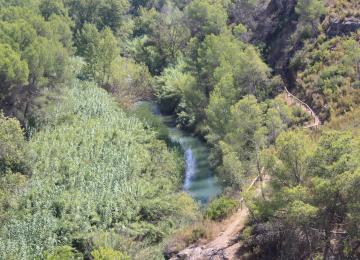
(312, 193)
(309, 12)
(87, 172)
(92, 165)
(328, 74)
(107, 253)
(221, 208)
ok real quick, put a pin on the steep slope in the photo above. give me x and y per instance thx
(320, 66)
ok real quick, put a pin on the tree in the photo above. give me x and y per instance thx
(112, 13)
(52, 7)
(63, 252)
(252, 74)
(130, 81)
(61, 31)
(101, 13)
(313, 193)
(245, 122)
(18, 34)
(168, 88)
(351, 58)
(231, 169)
(48, 61)
(170, 33)
(13, 70)
(99, 49)
(206, 17)
(218, 110)
(309, 12)
(164, 35)
(292, 154)
(177, 92)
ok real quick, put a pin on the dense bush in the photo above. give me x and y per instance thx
(92, 165)
(107, 254)
(220, 208)
(312, 192)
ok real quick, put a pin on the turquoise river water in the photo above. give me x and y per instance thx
(199, 179)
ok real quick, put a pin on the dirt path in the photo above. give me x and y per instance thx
(226, 244)
(290, 99)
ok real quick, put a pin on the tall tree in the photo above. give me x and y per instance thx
(100, 49)
(206, 17)
(13, 70)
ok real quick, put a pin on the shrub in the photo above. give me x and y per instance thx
(221, 207)
(104, 253)
(12, 146)
(63, 252)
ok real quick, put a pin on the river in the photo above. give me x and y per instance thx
(199, 179)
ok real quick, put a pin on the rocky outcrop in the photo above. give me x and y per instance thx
(271, 22)
(275, 26)
(339, 27)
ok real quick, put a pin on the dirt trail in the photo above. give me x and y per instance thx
(290, 99)
(226, 245)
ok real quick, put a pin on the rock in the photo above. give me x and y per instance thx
(338, 27)
(271, 22)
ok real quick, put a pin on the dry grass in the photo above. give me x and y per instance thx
(198, 234)
(347, 122)
(343, 8)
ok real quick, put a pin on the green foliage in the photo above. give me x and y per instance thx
(220, 208)
(219, 71)
(239, 31)
(46, 68)
(100, 49)
(40, 43)
(310, 182)
(52, 7)
(12, 143)
(161, 37)
(93, 181)
(144, 113)
(13, 165)
(293, 149)
(232, 169)
(92, 165)
(309, 12)
(241, 131)
(104, 253)
(171, 86)
(206, 17)
(35, 57)
(328, 73)
(102, 13)
(129, 81)
(13, 70)
(63, 252)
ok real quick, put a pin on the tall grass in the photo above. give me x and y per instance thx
(95, 169)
